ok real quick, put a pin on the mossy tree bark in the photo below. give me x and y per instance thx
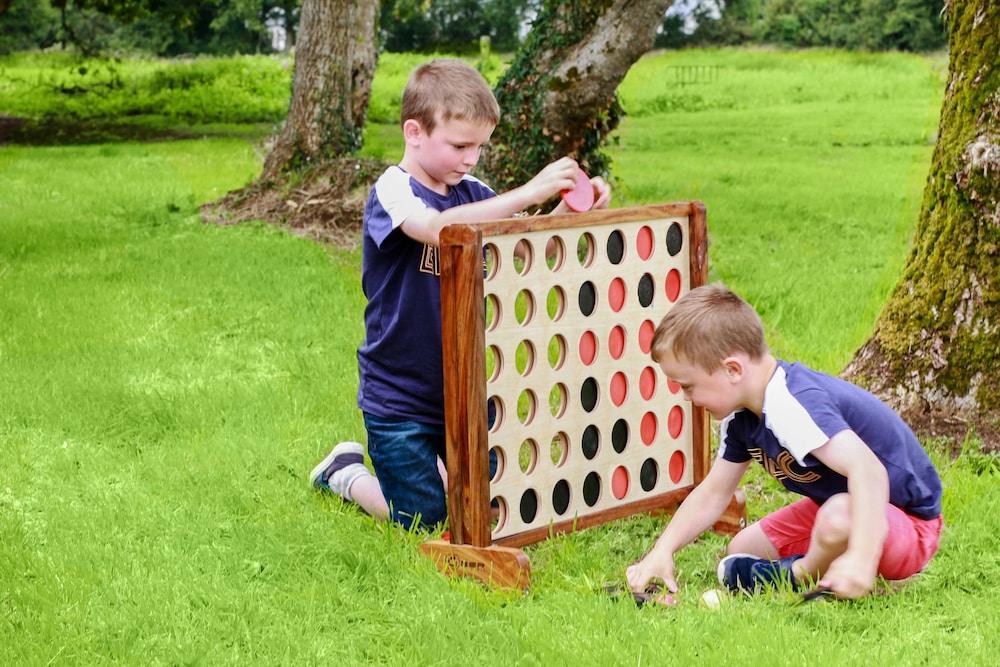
(558, 96)
(334, 63)
(935, 351)
(312, 181)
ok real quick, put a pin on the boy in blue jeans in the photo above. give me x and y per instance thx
(448, 113)
(872, 501)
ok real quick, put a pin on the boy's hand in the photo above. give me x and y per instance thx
(652, 566)
(849, 576)
(602, 196)
(602, 192)
(551, 180)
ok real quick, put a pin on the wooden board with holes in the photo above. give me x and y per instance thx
(583, 426)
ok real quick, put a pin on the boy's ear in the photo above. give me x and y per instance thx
(413, 131)
(733, 366)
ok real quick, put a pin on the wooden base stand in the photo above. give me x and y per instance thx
(734, 517)
(496, 566)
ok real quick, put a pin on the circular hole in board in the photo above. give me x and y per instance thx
(555, 253)
(555, 303)
(619, 435)
(646, 331)
(645, 290)
(560, 497)
(619, 388)
(591, 489)
(585, 249)
(494, 363)
(675, 422)
(673, 285)
(587, 298)
(616, 342)
(676, 466)
(527, 403)
(559, 449)
(498, 519)
(616, 247)
(497, 454)
(588, 347)
(647, 428)
(590, 442)
(491, 260)
(524, 357)
(524, 307)
(527, 456)
(616, 294)
(523, 256)
(558, 400)
(647, 382)
(495, 405)
(644, 242)
(529, 505)
(675, 239)
(589, 394)
(557, 352)
(492, 312)
(619, 482)
(649, 473)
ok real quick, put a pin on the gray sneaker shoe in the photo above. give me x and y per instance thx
(335, 473)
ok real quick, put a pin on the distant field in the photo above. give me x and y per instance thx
(166, 385)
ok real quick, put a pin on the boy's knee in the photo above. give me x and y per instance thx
(833, 520)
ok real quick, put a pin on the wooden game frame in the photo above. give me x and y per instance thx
(471, 550)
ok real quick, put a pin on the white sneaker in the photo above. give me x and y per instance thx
(342, 466)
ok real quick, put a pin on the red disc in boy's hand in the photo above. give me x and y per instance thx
(581, 197)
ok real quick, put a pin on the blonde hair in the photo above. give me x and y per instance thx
(451, 88)
(707, 325)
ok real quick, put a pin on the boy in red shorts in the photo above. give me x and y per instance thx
(872, 501)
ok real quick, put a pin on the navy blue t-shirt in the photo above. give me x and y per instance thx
(802, 410)
(400, 361)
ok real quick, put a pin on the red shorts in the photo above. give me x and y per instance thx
(909, 545)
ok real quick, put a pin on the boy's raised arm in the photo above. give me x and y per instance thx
(699, 511)
(550, 181)
(852, 575)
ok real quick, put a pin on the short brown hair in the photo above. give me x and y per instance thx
(451, 88)
(707, 325)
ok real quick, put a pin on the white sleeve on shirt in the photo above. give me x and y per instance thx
(396, 196)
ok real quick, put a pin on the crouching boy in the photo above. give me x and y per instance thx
(872, 502)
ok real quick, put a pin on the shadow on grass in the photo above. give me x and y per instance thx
(62, 131)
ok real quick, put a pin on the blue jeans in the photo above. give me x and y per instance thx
(404, 454)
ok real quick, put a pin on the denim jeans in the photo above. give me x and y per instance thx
(404, 454)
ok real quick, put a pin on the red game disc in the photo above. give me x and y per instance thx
(580, 198)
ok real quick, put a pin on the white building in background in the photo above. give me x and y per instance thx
(275, 24)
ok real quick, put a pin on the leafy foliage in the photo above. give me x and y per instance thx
(521, 92)
(237, 89)
(874, 25)
(146, 26)
(452, 25)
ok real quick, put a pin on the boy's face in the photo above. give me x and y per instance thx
(718, 391)
(449, 151)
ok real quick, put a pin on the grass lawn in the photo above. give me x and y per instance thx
(165, 387)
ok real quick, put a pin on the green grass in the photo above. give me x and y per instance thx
(165, 386)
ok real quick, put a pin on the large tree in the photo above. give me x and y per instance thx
(558, 96)
(334, 65)
(310, 172)
(935, 352)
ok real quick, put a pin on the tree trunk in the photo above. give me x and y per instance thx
(558, 96)
(334, 64)
(935, 352)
